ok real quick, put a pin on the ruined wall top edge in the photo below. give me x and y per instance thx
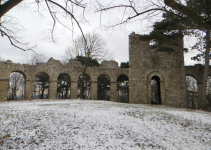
(53, 62)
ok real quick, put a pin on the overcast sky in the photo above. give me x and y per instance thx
(36, 32)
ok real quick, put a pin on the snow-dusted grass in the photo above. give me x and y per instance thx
(83, 124)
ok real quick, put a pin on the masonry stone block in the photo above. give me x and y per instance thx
(113, 91)
(94, 90)
(3, 89)
(29, 90)
(52, 90)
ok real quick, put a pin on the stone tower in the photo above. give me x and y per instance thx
(145, 64)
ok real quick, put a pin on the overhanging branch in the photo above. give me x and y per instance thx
(4, 8)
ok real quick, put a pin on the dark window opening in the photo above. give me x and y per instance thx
(63, 86)
(16, 88)
(103, 87)
(123, 89)
(155, 90)
(87, 86)
(41, 86)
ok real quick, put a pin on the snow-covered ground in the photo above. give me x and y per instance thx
(101, 125)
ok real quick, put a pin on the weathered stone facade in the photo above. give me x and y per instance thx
(53, 68)
(144, 64)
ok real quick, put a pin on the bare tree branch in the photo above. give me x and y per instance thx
(8, 33)
(68, 12)
(53, 17)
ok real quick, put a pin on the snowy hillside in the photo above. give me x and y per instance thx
(88, 125)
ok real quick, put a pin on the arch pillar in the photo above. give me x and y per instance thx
(73, 91)
(113, 91)
(162, 92)
(200, 95)
(94, 90)
(52, 91)
(28, 94)
(4, 83)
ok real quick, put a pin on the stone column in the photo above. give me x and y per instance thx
(113, 91)
(148, 92)
(52, 91)
(73, 91)
(94, 90)
(199, 95)
(4, 89)
(162, 92)
(28, 95)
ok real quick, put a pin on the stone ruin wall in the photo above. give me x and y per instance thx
(53, 68)
(144, 63)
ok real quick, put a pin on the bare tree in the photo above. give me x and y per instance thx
(41, 80)
(41, 85)
(16, 86)
(34, 59)
(63, 86)
(89, 52)
(59, 10)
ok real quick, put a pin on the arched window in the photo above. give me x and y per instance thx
(16, 87)
(192, 92)
(41, 86)
(86, 88)
(63, 86)
(103, 87)
(155, 90)
(123, 89)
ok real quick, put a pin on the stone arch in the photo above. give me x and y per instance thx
(192, 91)
(87, 86)
(155, 73)
(16, 85)
(103, 87)
(159, 78)
(123, 88)
(41, 85)
(63, 86)
(193, 81)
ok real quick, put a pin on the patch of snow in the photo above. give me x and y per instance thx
(88, 124)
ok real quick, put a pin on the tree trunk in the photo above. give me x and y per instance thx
(7, 6)
(42, 94)
(66, 91)
(206, 69)
(184, 76)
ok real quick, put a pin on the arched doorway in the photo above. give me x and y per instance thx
(123, 88)
(192, 92)
(103, 87)
(87, 86)
(16, 87)
(63, 86)
(155, 90)
(41, 86)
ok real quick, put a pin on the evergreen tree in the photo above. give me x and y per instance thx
(124, 65)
